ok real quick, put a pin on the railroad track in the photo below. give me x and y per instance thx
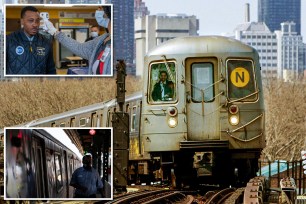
(149, 197)
(256, 192)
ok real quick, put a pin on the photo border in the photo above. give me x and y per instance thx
(58, 199)
(55, 75)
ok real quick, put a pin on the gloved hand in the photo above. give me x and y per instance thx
(50, 27)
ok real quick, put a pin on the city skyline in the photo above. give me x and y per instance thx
(217, 17)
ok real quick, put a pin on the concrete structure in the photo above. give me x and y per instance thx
(261, 38)
(49, 2)
(291, 53)
(274, 12)
(151, 31)
(140, 9)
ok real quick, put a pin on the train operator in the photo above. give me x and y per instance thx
(86, 180)
(29, 52)
(163, 90)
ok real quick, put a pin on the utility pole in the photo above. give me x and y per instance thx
(120, 123)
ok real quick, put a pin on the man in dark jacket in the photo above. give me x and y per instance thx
(27, 51)
(163, 90)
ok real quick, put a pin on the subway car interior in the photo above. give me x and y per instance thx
(41, 162)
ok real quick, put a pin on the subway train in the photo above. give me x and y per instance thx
(199, 116)
(37, 165)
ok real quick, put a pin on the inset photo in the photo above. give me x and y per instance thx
(58, 40)
(58, 164)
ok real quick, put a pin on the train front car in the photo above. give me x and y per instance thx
(203, 111)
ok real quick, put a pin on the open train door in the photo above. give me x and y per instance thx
(202, 99)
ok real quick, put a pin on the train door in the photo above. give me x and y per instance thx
(202, 103)
(37, 151)
(66, 174)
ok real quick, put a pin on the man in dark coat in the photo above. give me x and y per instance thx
(27, 51)
(163, 90)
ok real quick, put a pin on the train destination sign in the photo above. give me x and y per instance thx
(240, 77)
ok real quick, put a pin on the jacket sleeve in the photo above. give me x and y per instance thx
(83, 50)
(50, 61)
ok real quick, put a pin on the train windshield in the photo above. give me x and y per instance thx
(162, 81)
(241, 83)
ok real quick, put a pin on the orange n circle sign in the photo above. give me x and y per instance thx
(240, 77)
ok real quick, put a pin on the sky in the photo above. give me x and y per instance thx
(216, 16)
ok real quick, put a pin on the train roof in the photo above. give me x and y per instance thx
(93, 107)
(200, 44)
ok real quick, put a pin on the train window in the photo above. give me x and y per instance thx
(133, 121)
(162, 82)
(62, 125)
(101, 121)
(202, 81)
(241, 83)
(58, 173)
(94, 119)
(82, 122)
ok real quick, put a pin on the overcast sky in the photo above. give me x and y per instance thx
(216, 16)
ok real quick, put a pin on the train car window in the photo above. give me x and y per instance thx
(94, 119)
(133, 120)
(82, 122)
(62, 125)
(202, 82)
(241, 82)
(101, 121)
(162, 83)
(50, 171)
(58, 173)
(40, 173)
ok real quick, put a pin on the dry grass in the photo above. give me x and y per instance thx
(31, 99)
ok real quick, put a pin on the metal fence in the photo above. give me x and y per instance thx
(277, 170)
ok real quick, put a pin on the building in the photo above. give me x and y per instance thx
(78, 1)
(46, 2)
(11, 1)
(123, 29)
(140, 9)
(151, 31)
(282, 53)
(1, 45)
(261, 38)
(291, 52)
(274, 12)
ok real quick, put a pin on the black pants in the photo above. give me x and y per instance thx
(83, 196)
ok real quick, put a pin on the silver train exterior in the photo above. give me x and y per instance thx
(212, 124)
(38, 165)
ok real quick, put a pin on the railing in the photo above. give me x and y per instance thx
(275, 171)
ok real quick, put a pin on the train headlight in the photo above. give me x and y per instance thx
(172, 122)
(234, 119)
